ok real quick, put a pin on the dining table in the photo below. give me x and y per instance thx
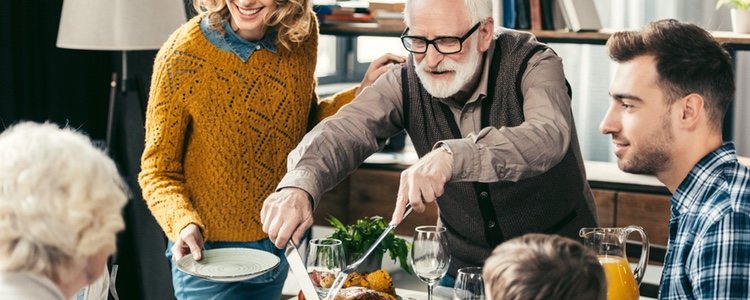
(438, 293)
(408, 287)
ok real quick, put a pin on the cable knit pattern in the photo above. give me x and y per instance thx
(218, 131)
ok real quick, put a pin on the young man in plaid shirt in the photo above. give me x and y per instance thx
(672, 87)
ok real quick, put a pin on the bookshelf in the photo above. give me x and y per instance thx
(734, 41)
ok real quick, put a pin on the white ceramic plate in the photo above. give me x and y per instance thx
(229, 264)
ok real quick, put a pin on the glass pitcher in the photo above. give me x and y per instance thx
(609, 245)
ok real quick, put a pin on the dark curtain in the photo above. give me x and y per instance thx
(41, 82)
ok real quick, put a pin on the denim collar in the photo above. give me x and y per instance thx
(230, 41)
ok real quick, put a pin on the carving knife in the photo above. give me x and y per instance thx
(300, 272)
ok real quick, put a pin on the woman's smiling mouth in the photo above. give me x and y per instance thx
(249, 12)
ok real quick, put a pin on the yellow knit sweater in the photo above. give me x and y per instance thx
(218, 131)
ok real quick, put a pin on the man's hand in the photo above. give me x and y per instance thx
(378, 67)
(423, 182)
(286, 213)
(190, 241)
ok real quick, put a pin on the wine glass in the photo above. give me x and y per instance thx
(430, 256)
(469, 284)
(325, 259)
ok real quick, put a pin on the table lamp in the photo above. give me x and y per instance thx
(119, 25)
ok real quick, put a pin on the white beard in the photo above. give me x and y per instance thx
(462, 73)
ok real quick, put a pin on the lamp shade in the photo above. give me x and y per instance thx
(118, 24)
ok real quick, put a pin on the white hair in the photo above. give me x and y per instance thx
(60, 200)
(478, 10)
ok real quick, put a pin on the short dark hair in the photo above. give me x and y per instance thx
(541, 266)
(688, 60)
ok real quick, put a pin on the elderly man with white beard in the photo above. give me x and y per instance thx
(488, 111)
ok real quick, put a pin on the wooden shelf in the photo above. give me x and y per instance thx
(360, 29)
(734, 40)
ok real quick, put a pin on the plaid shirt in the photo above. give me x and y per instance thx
(708, 255)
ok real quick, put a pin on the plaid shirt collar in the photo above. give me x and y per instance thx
(693, 189)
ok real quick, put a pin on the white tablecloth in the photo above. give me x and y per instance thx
(439, 293)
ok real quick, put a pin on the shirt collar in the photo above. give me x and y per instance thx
(481, 90)
(692, 189)
(230, 41)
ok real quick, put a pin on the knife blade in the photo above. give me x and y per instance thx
(300, 272)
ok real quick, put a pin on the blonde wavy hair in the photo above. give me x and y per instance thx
(292, 18)
(60, 201)
(539, 266)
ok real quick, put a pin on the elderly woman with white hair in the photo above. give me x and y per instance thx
(60, 202)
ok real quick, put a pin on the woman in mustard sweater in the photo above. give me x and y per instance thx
(233, 91)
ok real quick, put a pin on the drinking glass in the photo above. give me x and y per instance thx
(469, 284)
(430, 256)
(325, 259)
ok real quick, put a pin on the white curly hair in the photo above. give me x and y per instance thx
(60, 200)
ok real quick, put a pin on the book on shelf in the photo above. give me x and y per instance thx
(581, 15)
(387, 14)
(391, 23)
(509, 13)
(333, 9)
(346, 18)
(387, 5)
(558, 21)
(523, 20)
(552, 18)
(535, 12)
(358, 4)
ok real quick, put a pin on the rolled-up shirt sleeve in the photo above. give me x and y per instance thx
(340, 143)
(530, 149)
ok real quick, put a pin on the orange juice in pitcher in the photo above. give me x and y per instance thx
(609, 245)
(620, 280)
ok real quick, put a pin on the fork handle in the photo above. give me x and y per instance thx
(406, 214)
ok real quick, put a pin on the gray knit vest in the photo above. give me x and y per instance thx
(479, 216)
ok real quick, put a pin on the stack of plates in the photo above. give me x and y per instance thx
(229, 264)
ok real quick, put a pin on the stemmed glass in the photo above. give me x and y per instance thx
(430, 256)
(469, 284)
(325, 259)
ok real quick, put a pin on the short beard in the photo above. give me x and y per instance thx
(654, 157)
(463, 73)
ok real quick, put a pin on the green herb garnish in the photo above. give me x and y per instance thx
(356, 238)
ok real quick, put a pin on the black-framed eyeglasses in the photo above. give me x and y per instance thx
(443, 44)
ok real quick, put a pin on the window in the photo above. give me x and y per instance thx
(327, 55)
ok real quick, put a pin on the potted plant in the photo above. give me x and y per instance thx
(358, 237)
(740, 10)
